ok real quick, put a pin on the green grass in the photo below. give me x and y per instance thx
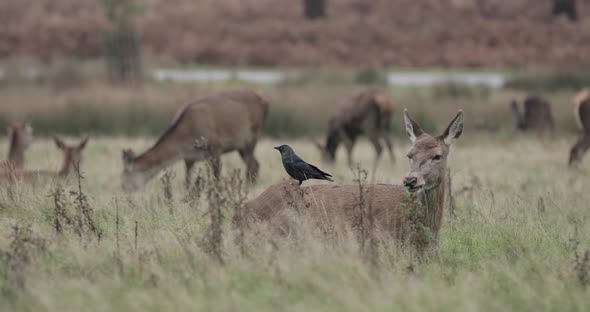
(500, 252)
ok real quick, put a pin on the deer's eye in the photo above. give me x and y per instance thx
(437, 157)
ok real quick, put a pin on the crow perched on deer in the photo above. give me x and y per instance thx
(298, 169)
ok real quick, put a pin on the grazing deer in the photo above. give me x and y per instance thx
(537, 115)
(582, 116)
(370, 114)
(220, 123)
(72, 157)
(399, 210)
(20, 136)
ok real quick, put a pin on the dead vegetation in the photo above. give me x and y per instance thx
(386, 33)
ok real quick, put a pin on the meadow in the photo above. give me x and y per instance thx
(515, 240)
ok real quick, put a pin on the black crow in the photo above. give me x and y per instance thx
(297, 168)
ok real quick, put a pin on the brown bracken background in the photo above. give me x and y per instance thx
(401, 33)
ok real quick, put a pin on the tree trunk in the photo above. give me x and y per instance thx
(567, 7)
(314, 8)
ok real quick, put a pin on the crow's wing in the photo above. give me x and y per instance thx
(309, 171)
(320, 171)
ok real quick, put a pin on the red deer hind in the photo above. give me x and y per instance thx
(582, 116)
(369, 113)
(537, 115)
(220, 123)
(20, 136)
(396, 211)
(72, 156)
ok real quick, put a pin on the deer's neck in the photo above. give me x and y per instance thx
(157, 158)
(16, 152)
(518, 118)
(67, 166)
(433, 202)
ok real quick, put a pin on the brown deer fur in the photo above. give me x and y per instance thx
(20, 136)
(582, 116)
(369, 113)
(537, 115)
(204, 129)
(398, 211)
(72, 157)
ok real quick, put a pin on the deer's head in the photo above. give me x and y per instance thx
(428, 154)
(72, 154)
(22, 132)
(131, 179)
(328, 151)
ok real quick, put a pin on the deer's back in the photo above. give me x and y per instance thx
(368, 108)
(228, 118)
(537, 112)
(331, 204)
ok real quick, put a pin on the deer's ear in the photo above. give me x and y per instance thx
(454, 129)
(59, 143)
(412, 128)
(128, 156)
(82, 144)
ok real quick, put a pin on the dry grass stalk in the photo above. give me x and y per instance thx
(366, 220)
(166, 180)
(214, 236)
(19, 256)
(135, 236)
(196, 190)
(238, 193)
(59, 212)
(581, 262)
(85, 216)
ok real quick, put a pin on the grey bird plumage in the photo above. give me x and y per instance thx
(298, 169)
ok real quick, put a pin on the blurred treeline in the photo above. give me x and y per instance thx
(402, 33)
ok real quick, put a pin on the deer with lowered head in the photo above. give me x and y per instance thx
(369, 113)
(20, 138)
(203, 130)
(72, 156)
(582, 116)
(399, 210)
(537, 115)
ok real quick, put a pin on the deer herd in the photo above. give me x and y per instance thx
(233, 121)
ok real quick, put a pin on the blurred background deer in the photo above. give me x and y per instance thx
(20, 137)
(536, 115)
(369, 113)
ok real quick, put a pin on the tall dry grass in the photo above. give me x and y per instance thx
(499, 252)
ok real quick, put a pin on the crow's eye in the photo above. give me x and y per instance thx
(437, 157)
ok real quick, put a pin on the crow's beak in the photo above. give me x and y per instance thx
(277, 148)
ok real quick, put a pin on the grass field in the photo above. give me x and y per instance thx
(510, 246)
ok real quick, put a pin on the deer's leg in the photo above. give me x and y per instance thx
(378, 148)
(215, 162)
(348, 144)
(252, 166)
(189, 163)
(389, 145)
(579, 149)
